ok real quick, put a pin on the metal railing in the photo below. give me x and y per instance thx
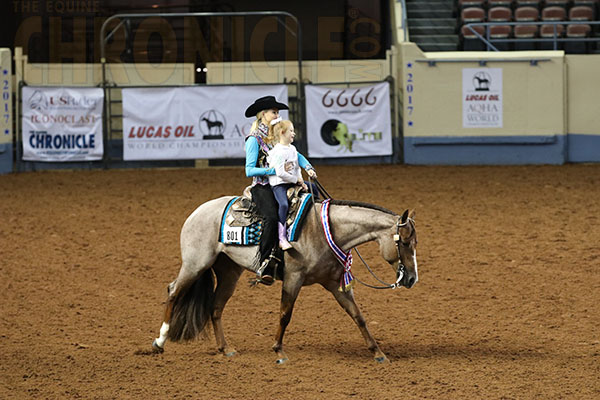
(404, 20)
(555, 39)
(126, 18)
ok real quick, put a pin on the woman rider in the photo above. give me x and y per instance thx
(258, 143)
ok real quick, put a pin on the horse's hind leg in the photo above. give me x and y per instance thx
(346, 300)
(187, 276)
(228, 273)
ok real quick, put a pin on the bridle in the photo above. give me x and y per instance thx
(400, 270)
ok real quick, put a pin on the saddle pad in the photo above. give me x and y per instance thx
(249, 235)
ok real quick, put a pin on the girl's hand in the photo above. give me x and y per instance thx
(312, 173)
(304, 187)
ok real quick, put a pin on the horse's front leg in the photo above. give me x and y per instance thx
(292, 284)
(346, 300)
(228, 274)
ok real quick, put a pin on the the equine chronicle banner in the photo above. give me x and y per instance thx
(190, 122)
(351, 122)
(62, 123)
(482, 97)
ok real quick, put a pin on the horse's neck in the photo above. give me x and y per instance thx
(352, 225)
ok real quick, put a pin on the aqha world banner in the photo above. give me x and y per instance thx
(62, 124)
(190, 122)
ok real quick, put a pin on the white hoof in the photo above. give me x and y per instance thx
(156, 347)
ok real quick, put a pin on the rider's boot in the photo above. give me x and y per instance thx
(283, 242)
(266, 271)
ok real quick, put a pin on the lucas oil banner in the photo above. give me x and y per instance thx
(351, 122)
(482, 97)
(190, 122)
(62, 124)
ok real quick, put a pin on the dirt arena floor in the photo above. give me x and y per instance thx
(506, 306)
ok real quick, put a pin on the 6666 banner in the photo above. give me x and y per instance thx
(351, 122)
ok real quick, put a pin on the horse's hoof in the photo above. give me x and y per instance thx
(230, 354)
(281, 361)
(382, 360)
(156, 347)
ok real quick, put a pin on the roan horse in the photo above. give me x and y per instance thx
(193, 300)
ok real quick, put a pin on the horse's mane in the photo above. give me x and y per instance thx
(353, 203)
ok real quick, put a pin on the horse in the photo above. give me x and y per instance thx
(194, 301)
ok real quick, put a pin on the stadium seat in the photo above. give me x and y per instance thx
(470, 41)
(556, 3)
(470, 3)
(472, 14)
(581, 13)
(499, 3)
(524, 33)
(501, 32)
(575, 32)
(528, 3)
(527, 14)
(499, 14)
(547, 32)
(554, 14)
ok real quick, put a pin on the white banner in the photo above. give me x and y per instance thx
(62, 124)
(351, 122)
(482, 97)
(191, 122)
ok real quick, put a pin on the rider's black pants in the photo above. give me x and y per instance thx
(262, 195)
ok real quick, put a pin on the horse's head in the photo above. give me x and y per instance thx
(401, 250)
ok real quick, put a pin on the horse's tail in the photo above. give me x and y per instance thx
(192, 309)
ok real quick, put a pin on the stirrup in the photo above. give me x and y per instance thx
(264, 274)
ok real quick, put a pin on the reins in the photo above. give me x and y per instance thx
(399, 272)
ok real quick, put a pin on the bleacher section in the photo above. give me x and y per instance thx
(439, 25)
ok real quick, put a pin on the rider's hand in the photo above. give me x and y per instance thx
(312, 173)
(304, 187)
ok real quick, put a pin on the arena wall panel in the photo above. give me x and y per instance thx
(533, 118)
(583, 86)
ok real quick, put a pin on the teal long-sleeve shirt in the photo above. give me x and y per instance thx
(252, 149)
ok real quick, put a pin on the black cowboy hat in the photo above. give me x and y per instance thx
(264, 103)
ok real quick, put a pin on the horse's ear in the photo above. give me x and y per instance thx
(412, 215)
(404, 217)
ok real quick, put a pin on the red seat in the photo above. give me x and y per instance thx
(472, 14)
(499, 3)
(524, 34)
(524, 14)
(554, 14)
(528, 3)
(526, 31)
(581, 13)
(470, 41)
(470, 3)
(589, 3)
(499, 14)
(500, 31)
(557, 3)
(578, 31)
(468, 33)
(547, 31)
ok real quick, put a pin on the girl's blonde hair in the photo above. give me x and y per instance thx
(279, 128)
